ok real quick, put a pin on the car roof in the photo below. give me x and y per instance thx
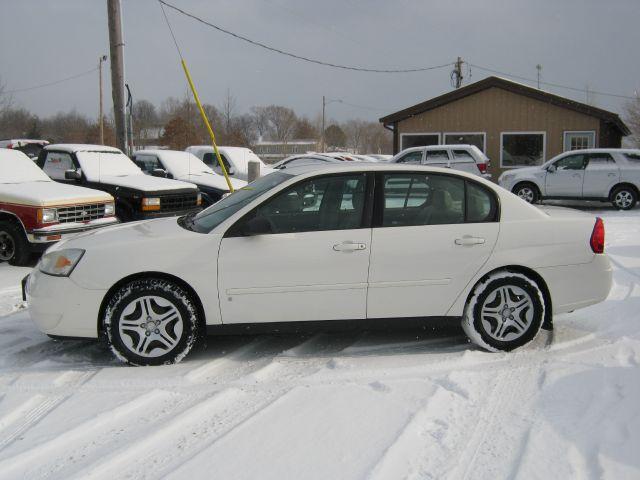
(81, 147)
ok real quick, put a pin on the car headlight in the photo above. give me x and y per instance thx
(47, 215)
(506, 177)
(151, 203)
(60, 263)
(109, 209)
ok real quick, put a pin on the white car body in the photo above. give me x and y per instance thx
(237, 158)
(358, 273)
(466, 158)
(595, 175)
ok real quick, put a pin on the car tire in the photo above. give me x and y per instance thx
(151, 322)
(14, 247)
(624, 198)
(528, 192)
(505, 311)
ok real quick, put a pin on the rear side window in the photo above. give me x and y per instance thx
(437, 156)
(57, 163)
(481, 204)
(633, 157)
(463, 155)
(599, 159)
(411, 157)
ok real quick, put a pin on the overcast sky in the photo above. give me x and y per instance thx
(578, 42)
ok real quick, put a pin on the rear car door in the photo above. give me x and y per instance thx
(314, 262)
(431, 234)
(567, 177)
(600, 175)
(437, 158)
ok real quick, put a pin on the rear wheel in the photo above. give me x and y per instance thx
(14, 247)
(528, 192)
(504, 311)
(624, 198)
(151, 322)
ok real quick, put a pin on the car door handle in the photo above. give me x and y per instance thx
(349, 246)
(468, 240)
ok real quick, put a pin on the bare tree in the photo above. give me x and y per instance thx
(228, 110)
(275, 122)
(632, 118)
(355, 132)
(6, 99)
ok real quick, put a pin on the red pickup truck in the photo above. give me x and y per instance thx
(35, 211)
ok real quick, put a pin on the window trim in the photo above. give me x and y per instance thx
(484, 138)
(416, 134)
(565, 133)
(518, 132)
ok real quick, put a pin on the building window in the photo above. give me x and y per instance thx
(579, 140)
(466, 138)
(522, 149)
(408, 140)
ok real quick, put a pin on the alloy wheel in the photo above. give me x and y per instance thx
(507, 313)
(526, 193)
(150, 326)
(623, 199)
(7, 247)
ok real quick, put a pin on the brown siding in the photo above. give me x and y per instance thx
(496, 110)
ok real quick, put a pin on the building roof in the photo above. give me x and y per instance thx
(515, 87)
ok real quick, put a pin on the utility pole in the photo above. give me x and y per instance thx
(322, 134)
(116, 49)
(103, 58)
(457, 73)
(539, 69)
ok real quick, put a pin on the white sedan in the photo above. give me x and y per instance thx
(357, 245)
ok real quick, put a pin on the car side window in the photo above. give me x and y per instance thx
(437, 156)
(414, 157)
(422, 199)
(56, 163)
(211, 160)
(599, 160)
(481, 204)
(571, 162)
(463, 156)
(323, 203)
(148, 163)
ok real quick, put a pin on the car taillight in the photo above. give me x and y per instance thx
(10, 145)
(482, 167)
(597, 236)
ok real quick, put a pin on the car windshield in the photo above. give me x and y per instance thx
(96, 165)
(217, 213)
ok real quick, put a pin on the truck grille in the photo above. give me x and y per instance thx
(174, 203)
(80, 213)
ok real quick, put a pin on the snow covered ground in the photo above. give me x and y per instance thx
(347, 406)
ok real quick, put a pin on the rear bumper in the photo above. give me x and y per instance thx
(44, 235)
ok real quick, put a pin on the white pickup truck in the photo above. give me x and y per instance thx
(236, 160)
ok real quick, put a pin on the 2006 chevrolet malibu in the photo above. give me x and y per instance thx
(359, 245)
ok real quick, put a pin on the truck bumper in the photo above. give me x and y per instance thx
(47, 235)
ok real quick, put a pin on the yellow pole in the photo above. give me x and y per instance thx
(207, 124)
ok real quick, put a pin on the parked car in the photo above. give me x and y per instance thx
(236, 160)
(361, 245)
(185, 166)
(380, 157)
(137, 196)
(305, 159)
(35, 211)
(28, 146)
(467, 158)
(607, 175)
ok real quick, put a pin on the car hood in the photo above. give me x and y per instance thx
(146, 183)
(524, 171)
(213, 181)
(49, 194)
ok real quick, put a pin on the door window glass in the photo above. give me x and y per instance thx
(437, 156)
(148, 163)
(211, 160)
(411, 157)
(318, 204)
(599, 160)
(57, 163)
(463, 156)
(572, 162)
(481, 204)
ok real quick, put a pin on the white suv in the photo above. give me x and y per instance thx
(608, 175)
(467, 158)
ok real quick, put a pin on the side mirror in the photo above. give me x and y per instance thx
(159, 172)
(72, 174)
(257, 226)
(551, 169)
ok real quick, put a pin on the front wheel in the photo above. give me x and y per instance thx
(504, 312)
(151, 322)
(527, 192)
(624, 198)
(14, 247)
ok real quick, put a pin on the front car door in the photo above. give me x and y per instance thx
(566, 177)
(600, 175)
(313, 265)
(431, 234)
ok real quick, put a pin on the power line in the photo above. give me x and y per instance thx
(557, 85)
(73, 77)
(300, 57)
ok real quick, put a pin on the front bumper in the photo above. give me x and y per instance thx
(59, 306)
(60, 231)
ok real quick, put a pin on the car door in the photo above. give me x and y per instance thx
(600, 175)
(313, 262)
(431, 234)
(565, 177)
(437, 158)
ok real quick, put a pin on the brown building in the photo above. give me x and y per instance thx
(514, 124)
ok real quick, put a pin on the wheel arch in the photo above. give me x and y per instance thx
(623, 184)
(146, 275)
(526, 181)
(547, 323)
(12, 217)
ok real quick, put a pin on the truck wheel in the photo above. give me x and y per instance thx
(528, 192)
(624, 198)
(14, 247)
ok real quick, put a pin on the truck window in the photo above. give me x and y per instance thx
(210, 160)
(57, 163)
